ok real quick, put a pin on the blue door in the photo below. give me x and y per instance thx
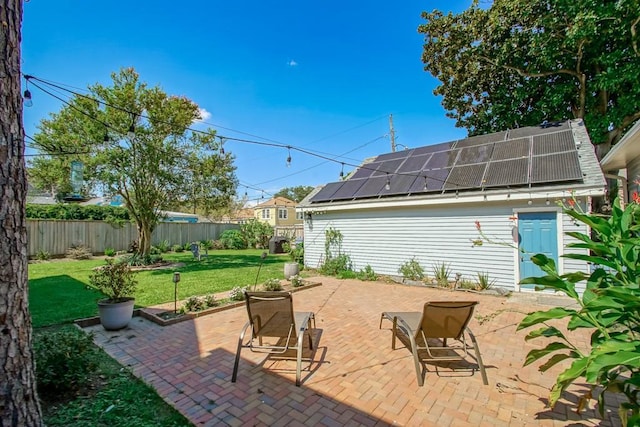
(537, 233)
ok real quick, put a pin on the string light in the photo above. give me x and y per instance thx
(222, 146)
(547, 202)
(131, 134)
(341, 170)
(425, 184)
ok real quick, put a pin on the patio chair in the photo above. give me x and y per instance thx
(439, 320)
(274, 327)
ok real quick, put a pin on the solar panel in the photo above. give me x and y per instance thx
(389, 166)
(442, 159)
(327, 191)
(513, 172)
(395, 155)
(414, 164)
(529, 156)
(435, 181)
(555, 167)
(481, 139)
(553, 143)
(475, 154)
(348, 189)
(512, 149)
(400, 184)
(433, 148)
(372, 187)
(469, 176)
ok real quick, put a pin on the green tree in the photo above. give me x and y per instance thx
(520, 63)
(135, 142)
(18, 396)
(295, 193)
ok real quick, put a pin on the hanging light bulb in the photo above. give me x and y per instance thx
(131, 132)
(425, 184)
(547, 202)
(289, 157)
(342, 170)
(387, 186)
(26, 96)
(456, 193)
(222, 146)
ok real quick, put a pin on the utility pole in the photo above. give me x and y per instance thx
(392, 134)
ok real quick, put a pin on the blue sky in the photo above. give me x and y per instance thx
(321, 76)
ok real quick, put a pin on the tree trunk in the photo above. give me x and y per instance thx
(18, 398)
(144, 238)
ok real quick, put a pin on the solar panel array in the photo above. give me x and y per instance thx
(521, 157)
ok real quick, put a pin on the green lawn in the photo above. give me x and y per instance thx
(59, 291)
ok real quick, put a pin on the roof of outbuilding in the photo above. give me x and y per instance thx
(530, 159)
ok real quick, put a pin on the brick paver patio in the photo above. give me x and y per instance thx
(356, 378)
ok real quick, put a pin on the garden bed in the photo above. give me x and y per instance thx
(163, 316)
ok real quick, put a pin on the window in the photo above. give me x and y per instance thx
(266, 214)
(283, 213)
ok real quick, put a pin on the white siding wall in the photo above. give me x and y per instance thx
(633, 174)
(385, 239)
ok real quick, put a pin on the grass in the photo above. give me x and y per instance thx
(115, 398)
(59, 292)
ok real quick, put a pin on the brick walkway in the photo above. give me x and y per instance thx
(356, 378)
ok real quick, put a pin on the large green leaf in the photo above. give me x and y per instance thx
(548, 331)
(555, 359)
(552, 282)
(604, 362)
(537, 354)
(576, 370)
(594, 260)
(542, 316)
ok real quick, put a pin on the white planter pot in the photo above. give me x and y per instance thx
(291, 269)
(114, 316)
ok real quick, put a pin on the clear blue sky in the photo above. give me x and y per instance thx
(323, 76)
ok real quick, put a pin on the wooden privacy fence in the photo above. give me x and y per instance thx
(55, 237)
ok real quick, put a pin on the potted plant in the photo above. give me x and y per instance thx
(116, 281)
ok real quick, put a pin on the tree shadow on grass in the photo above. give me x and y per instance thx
(61, 299)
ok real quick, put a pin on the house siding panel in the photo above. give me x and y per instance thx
(385, 239)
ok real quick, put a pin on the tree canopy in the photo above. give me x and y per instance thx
(519, 63)
(296, 193)
(135, 141)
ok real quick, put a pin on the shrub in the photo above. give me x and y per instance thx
(484, 282)
(297, 253)
(154, 250)
(296, 281)
(79, 251)
(272, 285)
(346, 274)
(336, 265)
(255, 233)
(187, 246)
(177, 248)
(237, 293)
(137, 259)
(411, 270)
(43, 255)
(110, 252)
(163, 246)
(367, 273)
(115, 280)
(441, 273)
(232, 239)
(608, 308)
(198, 303)
(210, 300)
(206, 244)
(65, 360)
(217, 244)
(468, 284)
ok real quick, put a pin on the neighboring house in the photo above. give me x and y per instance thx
(622, 163)
(423, 203)
(278, 211)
